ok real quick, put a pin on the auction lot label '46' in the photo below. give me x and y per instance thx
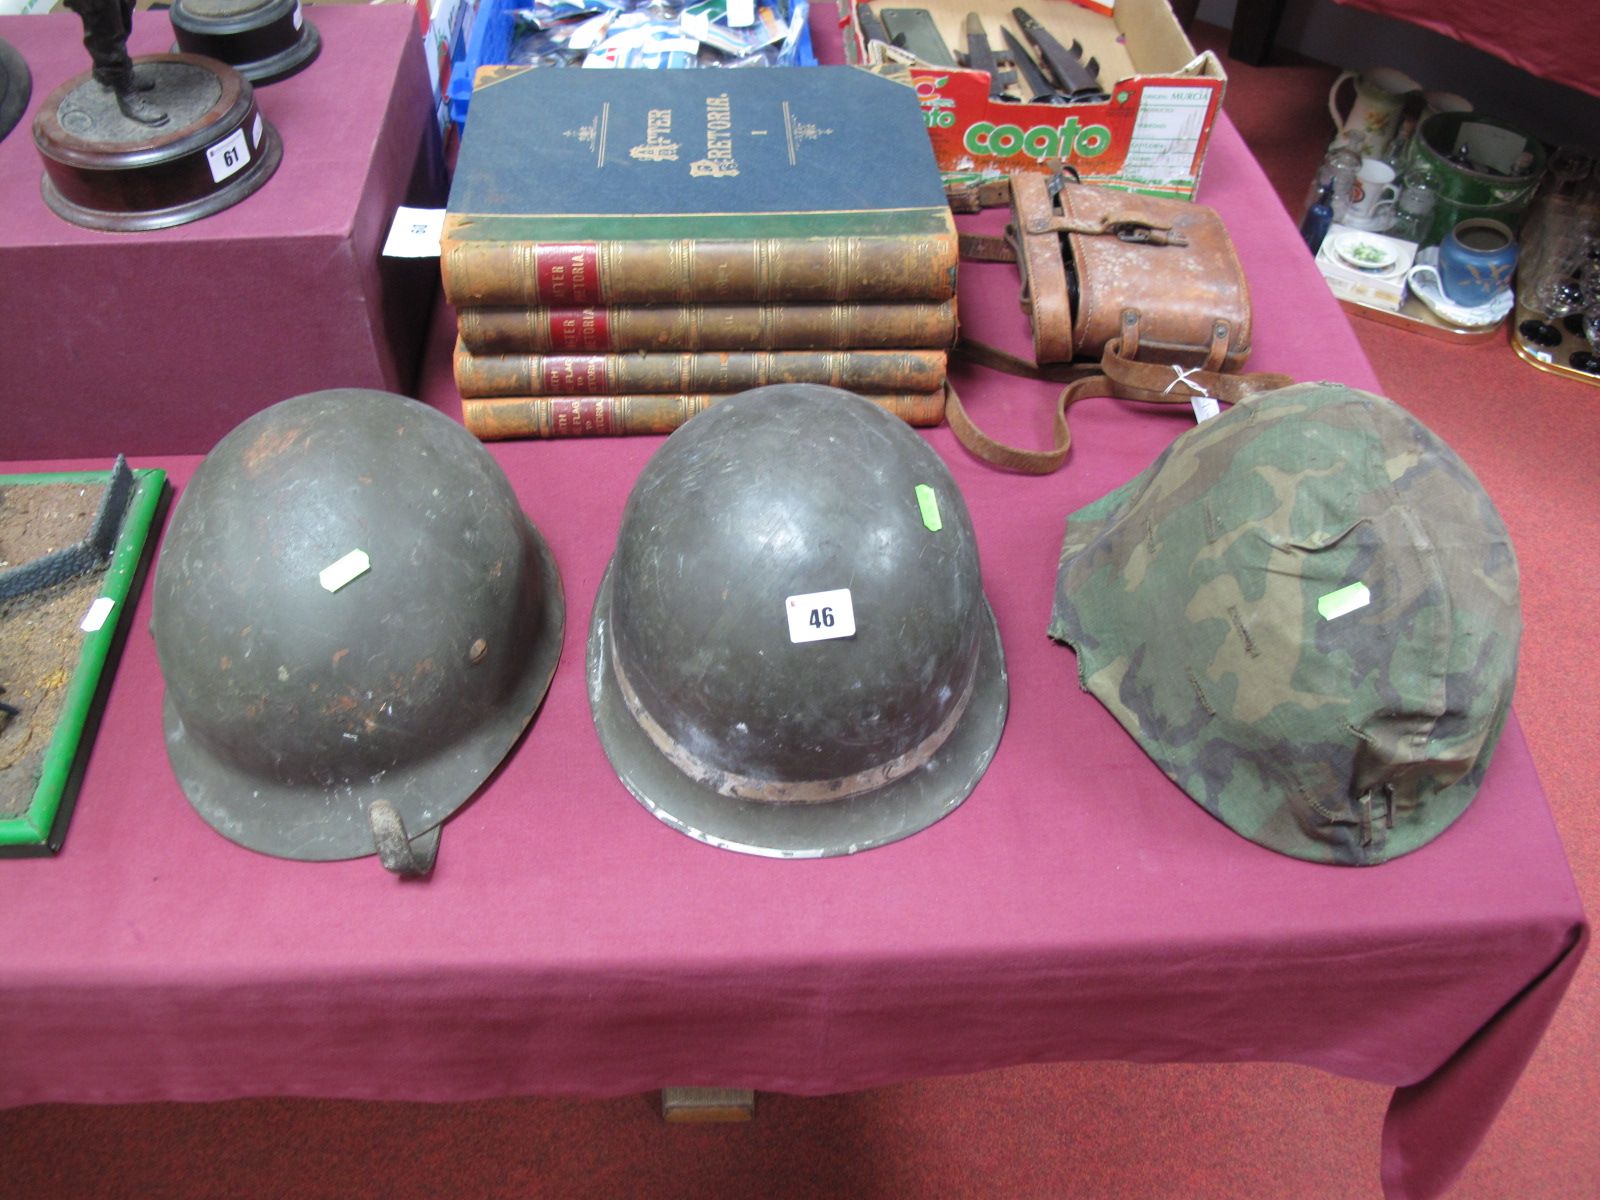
(818, 616)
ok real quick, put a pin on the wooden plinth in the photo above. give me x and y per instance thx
(106, 171)
(264, 40)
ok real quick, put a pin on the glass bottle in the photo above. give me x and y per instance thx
(1413, 209)
(1398, 153)
(1318, 217)
(1339, 169)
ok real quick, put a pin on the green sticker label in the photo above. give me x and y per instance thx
(928, 502)
(1345, 600)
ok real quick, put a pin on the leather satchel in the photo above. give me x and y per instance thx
(1148, 289)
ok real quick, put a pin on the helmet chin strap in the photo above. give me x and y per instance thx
(407, 857)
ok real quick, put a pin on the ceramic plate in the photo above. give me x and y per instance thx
(1364, 253)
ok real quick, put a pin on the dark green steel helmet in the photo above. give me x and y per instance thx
(791, 654)
(355, 621)
(1306, 611)
(16, 85)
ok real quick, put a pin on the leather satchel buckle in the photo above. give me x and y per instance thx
(1143, 232)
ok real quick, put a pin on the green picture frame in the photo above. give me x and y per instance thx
(40, 829)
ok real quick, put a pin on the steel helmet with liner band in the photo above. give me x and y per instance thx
(355, 621)
(791, 654)
(1306, 611)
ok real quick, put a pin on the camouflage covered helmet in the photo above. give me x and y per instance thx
(1306, 611)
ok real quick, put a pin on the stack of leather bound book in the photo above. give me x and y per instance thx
(624, 248)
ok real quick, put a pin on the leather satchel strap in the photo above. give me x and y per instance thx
(986, 247)
(1120, 376)
(982, 354)
(1015, 458)
(1165, 382)
(1137, 378)
(1046, 287)
(1126, 226)
(973, 195)
(1132, 224)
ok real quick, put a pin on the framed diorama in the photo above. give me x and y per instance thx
(73, 551)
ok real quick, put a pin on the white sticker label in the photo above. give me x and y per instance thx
(228, 156)
(415, 233)
(1166, 134)
(1205, 407)
(336, 574)
(97, 614)
(818, 616)
(255, 132)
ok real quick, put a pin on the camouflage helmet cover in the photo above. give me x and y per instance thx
(1306, 612)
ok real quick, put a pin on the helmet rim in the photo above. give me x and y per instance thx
(863, 821)
(296, 821)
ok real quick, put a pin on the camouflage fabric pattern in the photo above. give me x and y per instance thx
(1191, 596)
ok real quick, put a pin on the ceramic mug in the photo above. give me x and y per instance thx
(1374, 187)
(1380, 97)
(1476, 261)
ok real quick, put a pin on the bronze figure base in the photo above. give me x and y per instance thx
(107, 171)
(264, 40)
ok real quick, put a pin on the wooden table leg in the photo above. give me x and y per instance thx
(1255, 28)
(681, 1104)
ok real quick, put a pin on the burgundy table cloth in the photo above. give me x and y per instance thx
(172, 350)
(1077, 906)
(1546, 38)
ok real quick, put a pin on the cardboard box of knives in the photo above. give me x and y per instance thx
(1111, 88)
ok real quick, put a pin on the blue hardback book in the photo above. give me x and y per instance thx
(630, 186)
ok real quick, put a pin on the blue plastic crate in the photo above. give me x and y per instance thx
(490, 45)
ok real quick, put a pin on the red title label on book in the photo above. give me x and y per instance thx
(568, 274)
(583, 329)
